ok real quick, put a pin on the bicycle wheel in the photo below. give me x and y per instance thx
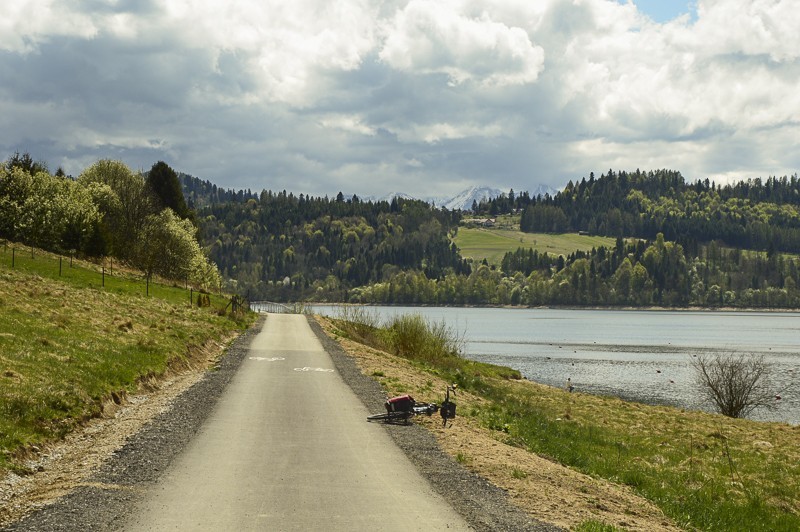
(397, 417)
(391, 417)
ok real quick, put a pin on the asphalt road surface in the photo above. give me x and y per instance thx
(288, 448)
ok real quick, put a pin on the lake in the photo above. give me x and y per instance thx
(643, 356)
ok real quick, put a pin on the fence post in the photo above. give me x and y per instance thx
(191, 297)
(112, 265)
(13, 257)
(147, 290)
(59, 266)
(104, 276)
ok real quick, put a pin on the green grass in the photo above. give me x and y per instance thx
(704, 471)
(595, 526)
(493, 244)
(67, 343)
(82, 274)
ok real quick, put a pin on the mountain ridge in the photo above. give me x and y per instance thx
(464, 199)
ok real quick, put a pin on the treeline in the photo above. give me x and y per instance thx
(107, 211)
(282, 246)
(202, 193)
(752, 214)
(635, 273)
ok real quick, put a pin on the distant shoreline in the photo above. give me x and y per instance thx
(573, 307)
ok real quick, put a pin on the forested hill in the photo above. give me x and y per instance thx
(294, 247)
(678, 245)
(752, 214)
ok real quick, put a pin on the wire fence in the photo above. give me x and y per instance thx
(108, 274)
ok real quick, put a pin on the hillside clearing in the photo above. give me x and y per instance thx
(493, 243)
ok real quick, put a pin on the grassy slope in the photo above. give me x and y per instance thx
(492, 244)
(704, 471)
(67, 343)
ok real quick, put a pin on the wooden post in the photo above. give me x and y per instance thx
(147, 290)
(104, 276)
(59, 266)
(191, 297)
(112, 265)
(13, 257)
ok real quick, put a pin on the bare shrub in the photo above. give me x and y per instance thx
(736, 384)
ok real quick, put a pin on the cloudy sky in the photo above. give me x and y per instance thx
(426, 97)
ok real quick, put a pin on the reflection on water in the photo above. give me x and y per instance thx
(638, 355)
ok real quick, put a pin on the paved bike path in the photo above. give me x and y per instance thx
(288, 448)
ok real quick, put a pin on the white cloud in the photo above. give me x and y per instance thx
(358, 95)
(749, 27)
(438, 37)
(24, 24)
(347, 123)
(285, 47)
(434, 133)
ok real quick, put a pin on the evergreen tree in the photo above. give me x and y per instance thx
(166, 186)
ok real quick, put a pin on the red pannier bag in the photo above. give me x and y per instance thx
(401, 403)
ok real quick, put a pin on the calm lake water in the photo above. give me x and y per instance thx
(639, 355)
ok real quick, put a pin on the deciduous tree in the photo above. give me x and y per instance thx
(736, 384)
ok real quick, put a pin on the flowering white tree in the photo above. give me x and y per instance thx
(166, 246)
(128, 205)
(44, 210)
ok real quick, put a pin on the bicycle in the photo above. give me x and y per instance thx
(403, 407)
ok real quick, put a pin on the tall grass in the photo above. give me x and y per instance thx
(411, 336)
(408, 335)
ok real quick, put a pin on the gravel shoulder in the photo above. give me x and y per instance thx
(92, 480)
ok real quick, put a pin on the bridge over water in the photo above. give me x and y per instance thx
(277, 308)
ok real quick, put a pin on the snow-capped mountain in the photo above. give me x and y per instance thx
(541, 190)
(392, 195)
(464, 199)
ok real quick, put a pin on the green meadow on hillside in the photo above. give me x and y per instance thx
(493, 243)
